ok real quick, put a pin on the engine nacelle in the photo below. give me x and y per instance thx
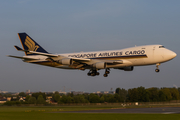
(66, 61)
(130, 68)
(100, 65)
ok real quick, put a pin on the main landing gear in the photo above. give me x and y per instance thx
(107, 71)
(93, 73)
(157, 67)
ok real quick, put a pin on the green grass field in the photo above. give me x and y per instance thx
(50, 113)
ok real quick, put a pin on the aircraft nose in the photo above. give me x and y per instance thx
(174, 54)
(170, 54)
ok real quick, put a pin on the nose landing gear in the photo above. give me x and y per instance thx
(157, 67)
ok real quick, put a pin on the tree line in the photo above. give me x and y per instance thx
(140, 94)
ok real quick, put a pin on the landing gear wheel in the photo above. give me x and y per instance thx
(105, 75)
(107, 72)
(93, 74)
(157, 70)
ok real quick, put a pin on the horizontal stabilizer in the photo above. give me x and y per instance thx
(25, 58)
(18, 48)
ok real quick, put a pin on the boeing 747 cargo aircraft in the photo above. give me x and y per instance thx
(123, 59)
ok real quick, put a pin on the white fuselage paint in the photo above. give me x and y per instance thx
(134, 56)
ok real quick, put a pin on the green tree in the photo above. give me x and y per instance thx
(63, 99)
(86, 96)
(22, 94)
(162, 96)
(69, 99)
(102, 99)
(10, 103)
(111, 98)
(49, 94)
(179, 90)
(40, 100)
(79, 99)
(142, 94)
(66, 99)
(70, 94)
(27, 97)
(82, 99)
(167, 93)
(93, 98)
(57, 97)
(122, 94)
(133, 95)
(8, 95)
(32, 100)
(118, 98)
(153, 94)
(147, 95)
(174, 93)
(36, 95)
(118, 90)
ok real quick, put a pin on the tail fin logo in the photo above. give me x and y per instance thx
(30, 44)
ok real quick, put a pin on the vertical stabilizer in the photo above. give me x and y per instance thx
(29, 44)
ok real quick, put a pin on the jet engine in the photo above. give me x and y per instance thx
(100, 65)
(130, 68)
(66, 61)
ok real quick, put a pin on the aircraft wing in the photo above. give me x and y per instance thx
(50, 56)
(79, 60)
(54, 57)
(24, 58)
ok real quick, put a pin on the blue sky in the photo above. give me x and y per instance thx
(72, 26)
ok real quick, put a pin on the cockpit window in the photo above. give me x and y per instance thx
(161, 47)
